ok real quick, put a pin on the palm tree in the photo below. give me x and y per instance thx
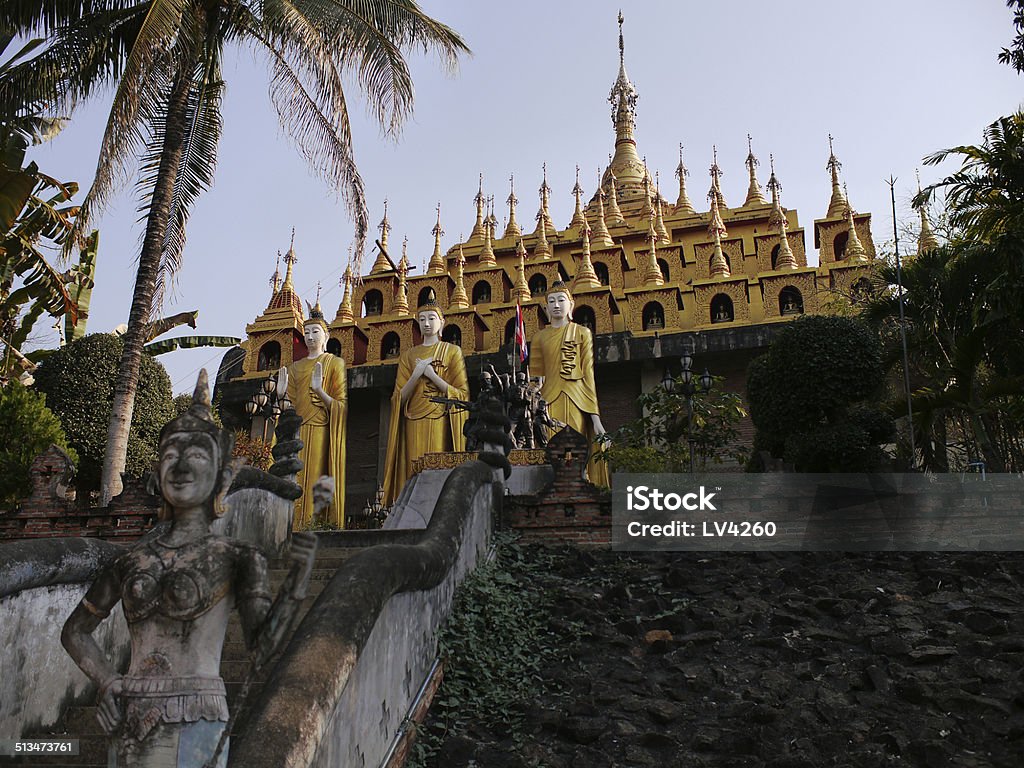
(165, 56)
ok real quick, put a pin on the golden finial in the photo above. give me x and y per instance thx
(648, 209)
(719, 264)
(659, 218)
(786, 258)
(601, 237)
(512, 230)
(854, 248)
(402, 298)
(382, 263)
(542, 249)
(623, 96)
(578, 220)
(716, 177)
(436, 265)
(521, 290)
(544, 215)
(754, 195)
(486, 256)
(275, 279)
(345, 313)
(683, 204)
(384, 226)
(652, 276)
(479, 200)
(289, 259)
(586, 277)
(775, 188)
(460, 299)
(614, 213)
(838, 203)
(927, 240)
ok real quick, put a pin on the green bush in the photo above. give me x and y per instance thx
(29, 428)
(78, 381)
(814, 397)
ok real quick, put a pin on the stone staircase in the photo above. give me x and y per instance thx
(80, 721)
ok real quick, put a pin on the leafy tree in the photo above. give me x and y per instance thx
(29, 428)
(814, 396)
(78, 380)
(1014, 55)
(165, 57)
(658, 440)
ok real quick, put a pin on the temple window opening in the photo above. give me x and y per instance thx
(585, 317)
(510, 331)
(538, 285)
(839, 245)
(452, 334)
(721, 309)
(775, 257)
(334, 347)
(653, 316)
(663, 266)
(390, 346)
(602, 272)
(425, 295)
(482, 292)
(269, 357)
(790, 301)
(373, 303)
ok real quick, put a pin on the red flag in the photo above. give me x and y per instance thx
(520, 332)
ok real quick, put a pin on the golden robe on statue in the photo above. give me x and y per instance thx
(565, 358)
(322, 434)
(420, 426)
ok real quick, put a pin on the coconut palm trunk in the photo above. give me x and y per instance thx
(145, 286)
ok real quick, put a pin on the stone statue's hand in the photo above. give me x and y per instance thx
(108, 711)
(422, 365)
(598, 426)
(316, 381)
(282, 382)
(303, 555)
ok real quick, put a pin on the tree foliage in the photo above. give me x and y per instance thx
(814, 396)
(78, 380)
(29, 428)
(658, 441)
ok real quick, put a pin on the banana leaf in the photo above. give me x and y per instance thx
(190, 342)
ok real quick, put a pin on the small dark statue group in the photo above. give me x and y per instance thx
(518, 398)
(178, 586)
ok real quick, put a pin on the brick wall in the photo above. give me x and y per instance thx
(570, 509)
(50, 511)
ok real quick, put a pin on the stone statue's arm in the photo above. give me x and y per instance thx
(279, 620)
(316, 383)
(458, 387)
(282, 381)
(77, 639)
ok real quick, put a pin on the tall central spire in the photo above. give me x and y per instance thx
(626, 164)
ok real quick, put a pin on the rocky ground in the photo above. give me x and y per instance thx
(773, 660)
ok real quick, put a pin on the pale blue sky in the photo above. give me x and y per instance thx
(892, 81)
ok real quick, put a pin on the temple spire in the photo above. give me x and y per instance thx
(716, 181)
(479, 200)
(854, 247)
(614, 214)
(719, 266)
(927, 240)
(289, 260)
(626, 163)
(652, 276)
(601, 237)
(512, 230)
(786, 259)
(437, 265)
(382, 263)
(521, 290)
(578, 220)
(838, 204)
(402, 298)
(683, 204)
(345, 313)
(275, 279)
(460, 299)
(648, 210)
(659, 218)
(586, 277)
(544, 215)
(754, 195)
(486, 256)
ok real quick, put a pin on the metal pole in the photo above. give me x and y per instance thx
(689, 427)
(903, 325)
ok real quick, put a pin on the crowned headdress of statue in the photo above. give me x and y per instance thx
(559, 286)
(198, 420)
(316, 314)
(430, 303)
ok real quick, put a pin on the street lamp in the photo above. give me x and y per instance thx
(687, 387)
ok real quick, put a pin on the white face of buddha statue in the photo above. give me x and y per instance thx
(430, 322)
(315, 337)
(559, 307)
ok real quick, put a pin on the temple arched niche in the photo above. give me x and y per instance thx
(390, 346)
(269, 358)
(482, 292)
(791, 301)
(601, 269)
(452, 334)
(334, 347)
(839, 245)
(373, 303)
(538, 285)
(775, 256)
(424, 296)
(585, 316)
(653, 317)
(665, 272)
(722, 309)
(510, 331)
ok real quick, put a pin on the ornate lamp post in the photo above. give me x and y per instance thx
(258, 406)
(688, 387)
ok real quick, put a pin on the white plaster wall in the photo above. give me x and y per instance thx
(38, 680)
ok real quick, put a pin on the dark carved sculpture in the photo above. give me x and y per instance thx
(178, 587)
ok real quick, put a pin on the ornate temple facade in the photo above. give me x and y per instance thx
(648, 273)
